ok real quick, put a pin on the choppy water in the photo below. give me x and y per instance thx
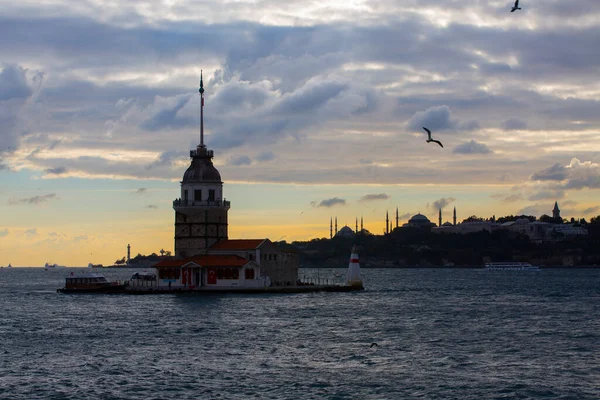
(442, 334)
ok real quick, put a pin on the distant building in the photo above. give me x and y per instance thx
(345, 232)
(419, 221)
(537, 231)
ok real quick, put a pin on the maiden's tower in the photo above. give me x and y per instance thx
(201, 228)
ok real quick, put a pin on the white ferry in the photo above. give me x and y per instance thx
(511, 266)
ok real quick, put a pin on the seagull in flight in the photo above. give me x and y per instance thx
(516, 6)
(430, 139)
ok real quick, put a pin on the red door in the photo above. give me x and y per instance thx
(212, 276)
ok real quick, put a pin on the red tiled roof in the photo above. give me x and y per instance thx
(213, 260)
(237, 244)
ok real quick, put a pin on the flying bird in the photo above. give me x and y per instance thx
(429, 140)
(515, 7)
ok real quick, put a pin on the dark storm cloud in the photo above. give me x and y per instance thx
(471, 147)
(554, 173)
(33, 200)
(328, 203)
(371, 197)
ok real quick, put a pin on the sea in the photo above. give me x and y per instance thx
(438, 334)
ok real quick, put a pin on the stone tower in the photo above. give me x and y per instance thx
(201, 211)
(556, 210)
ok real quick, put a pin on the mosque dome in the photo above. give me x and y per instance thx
(419, 219)
(346, 231)
(201, 169)
(447, 224)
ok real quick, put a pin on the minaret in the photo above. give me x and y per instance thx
(356, 231)
(361, 223)
(336, 231)
(128, 253)
(440, 218)
(396, 217)
(454, 216)
(556, 210)
(201, 211)
(387, 223)
(330, 228)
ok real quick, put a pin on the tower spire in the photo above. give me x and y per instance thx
(201, 91)
(387, 223)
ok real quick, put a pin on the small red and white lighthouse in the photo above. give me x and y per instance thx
(353, 274)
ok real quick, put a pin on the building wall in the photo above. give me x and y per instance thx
(280, 266)
(197, 228)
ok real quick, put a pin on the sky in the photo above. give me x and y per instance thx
(314, 110)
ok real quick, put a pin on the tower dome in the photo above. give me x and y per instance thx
(201, 170)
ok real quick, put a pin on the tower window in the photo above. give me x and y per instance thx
(185, 195)
(211, 194)
(197, 195)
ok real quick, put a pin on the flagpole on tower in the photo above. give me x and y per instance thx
(201, 91)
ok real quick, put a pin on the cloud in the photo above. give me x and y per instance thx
(434, 118)
(471, 147)
(554, 173)
(166, 115)
(405, 216)
(576, 175)
(547, 194)
(140, 191)
(535, 210)
(152, 206)
(441, 203)
(167, 159)
(4, 232)
(13, 83)
(265, 156)
(329, 202)
(513, 124)
(33, 200)
(31, 232)
(56, 171)
(511, 198)
(240, 160)
(371, 197)
(583, 175)
(365, 161)
(591, 210)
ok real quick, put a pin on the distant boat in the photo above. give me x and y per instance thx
(511, 266)
(91, 282)
(90, 265)
(52, 266)
(9, 266)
